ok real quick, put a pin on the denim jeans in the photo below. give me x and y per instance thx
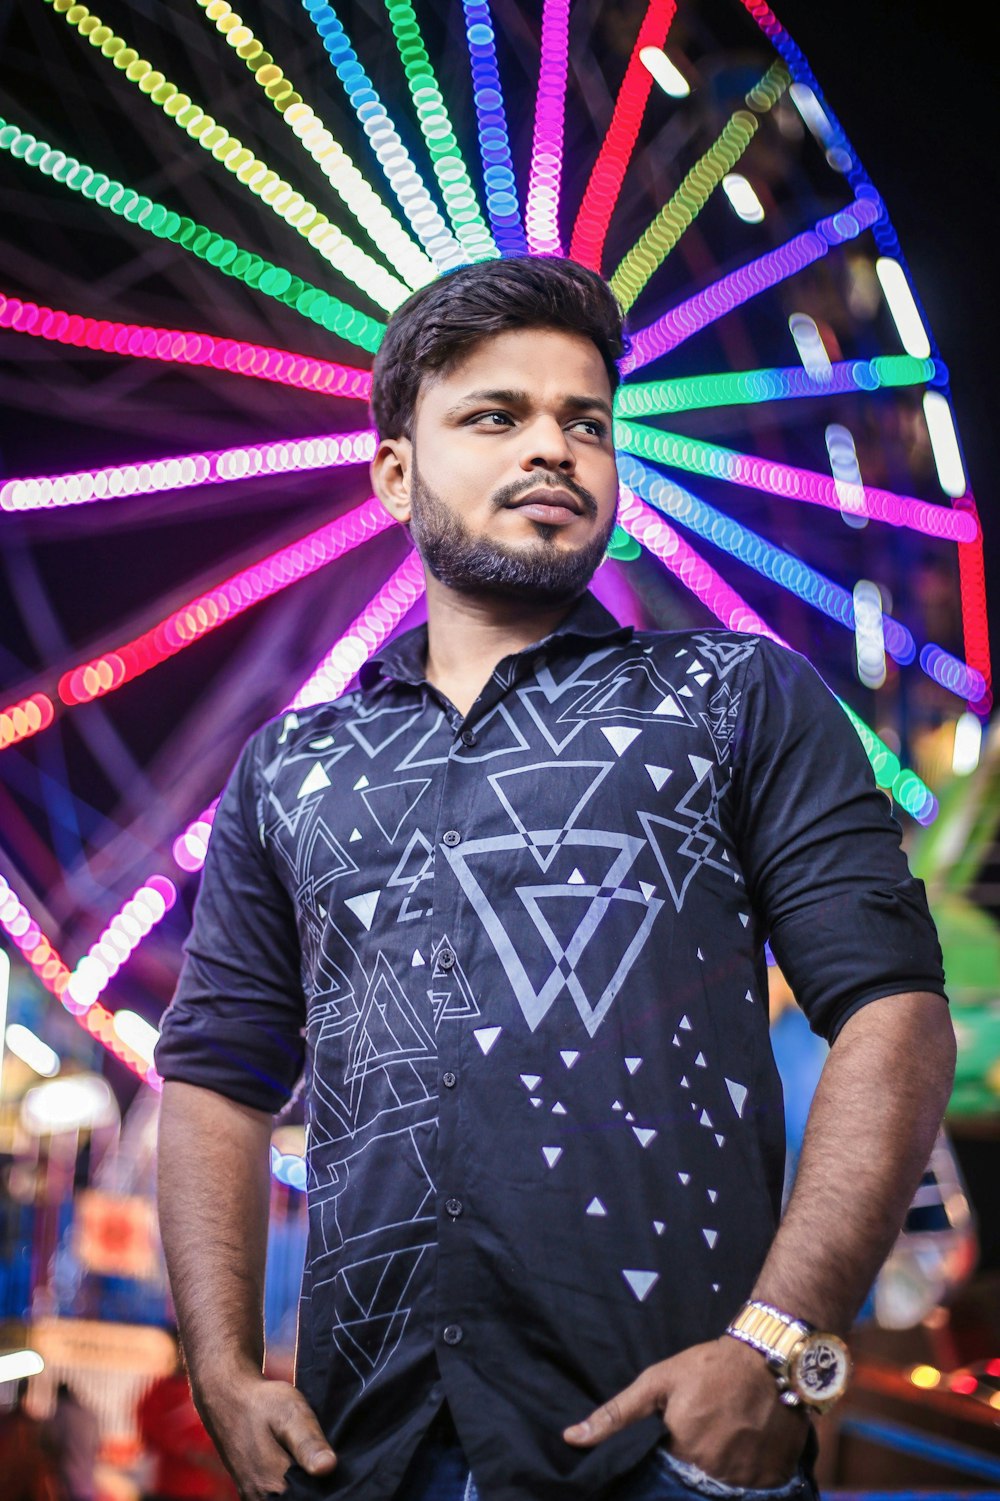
(440, 1472)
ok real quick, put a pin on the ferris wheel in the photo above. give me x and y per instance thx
(197, 276)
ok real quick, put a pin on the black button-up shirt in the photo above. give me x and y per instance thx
(520, 957)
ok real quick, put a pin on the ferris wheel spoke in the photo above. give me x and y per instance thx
(772, 383)
(608, 173)
(680, 211)
(226, 256)
(545, 176)
(335, 247)
(499, 179)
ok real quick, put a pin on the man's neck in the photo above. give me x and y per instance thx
(467, 636)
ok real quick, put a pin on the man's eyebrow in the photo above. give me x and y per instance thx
(511, 398)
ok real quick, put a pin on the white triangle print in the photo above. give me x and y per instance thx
(713, 1194)
(617, 1105)
(646, 889)
(701, 956)
(711, 1236)
(363, 908)
(619, 738)
(738, 1095)
(684, 1177)
(677, 1041)
(684, 1082)
(695, 666)
(715, 1287)
(417, 959)
(596, 1208)
(704, 1119)
(719, 1140)
(703, 678)
(629, 1116)
(552, 1155)
(644, 1135)
(531, 1081)
(684, 692)
(355, 836)
(486, 1037)
(361, 782)
(658, 775)
(536, 1102)
(659, 1226)
(700, 1061)
(316, 779)
(569, 1058)
(575, 879)
(641, 1282)
(632, 1064)
(749, 997)
(558, 1108)
(744, 918)
(684, 1024)
(669, 705)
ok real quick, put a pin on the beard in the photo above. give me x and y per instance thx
(539, 573)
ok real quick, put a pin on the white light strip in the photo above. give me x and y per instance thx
(846, 472)
(809, 343)
(745, 203)
(17, 1364)
(669, 77)
(32, 1050)
(909, 324)
(812, 112)
(137, 1033)
(944, 444)
(968, 744)
(869, 635)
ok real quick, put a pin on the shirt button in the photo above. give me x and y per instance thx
(449, 1080)
(446, 959)
(451, 838)
(452, 1334)
(469, 737)
(453, 1207)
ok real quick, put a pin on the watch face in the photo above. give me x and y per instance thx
(820, 1369)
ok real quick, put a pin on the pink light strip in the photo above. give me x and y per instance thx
(184, 471)
(541, 213)
(792, 483)
(652, 532)
(183, 347)
(47, 964)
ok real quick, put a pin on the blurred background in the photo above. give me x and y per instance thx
(801, 222)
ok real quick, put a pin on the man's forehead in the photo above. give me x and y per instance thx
(515, 363)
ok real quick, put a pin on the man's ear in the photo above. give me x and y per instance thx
(390, 472)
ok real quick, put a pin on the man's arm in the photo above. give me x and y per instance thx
(871, 1128)
(214, 1189)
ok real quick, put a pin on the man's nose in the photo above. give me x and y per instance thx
(546, 446)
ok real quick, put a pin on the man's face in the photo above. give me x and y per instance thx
(510, 485)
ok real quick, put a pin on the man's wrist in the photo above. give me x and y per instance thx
(810, 1368)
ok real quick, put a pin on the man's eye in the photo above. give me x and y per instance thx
(492, 419)
(592, 427)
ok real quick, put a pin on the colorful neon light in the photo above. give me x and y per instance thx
(109, 671)
(608, 173)
(226, 256)
(499, 179)
(184, 471)
(331, 243)
(972, 582)
(382, 228)
(770, 561)
(185, 347)
(736, 288)
(123, 934)
(190, 848)
(682, 208)
(364, 635)
(383, 137)
(541, 213)
(650, 529)
(689, 393)
(789, 482)
(442, 143)
(25, 718)
(952, 673)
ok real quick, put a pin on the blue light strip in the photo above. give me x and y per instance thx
(768, 560)
(952, 673)
(494, 140)
(908, 1441)
(390, 153)
(741, 387)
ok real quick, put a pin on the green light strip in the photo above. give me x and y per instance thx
(740, 387)
(907, 788)
(332, 244)
(655, 244)
(449, 166)
(263, 276)
(368, 208)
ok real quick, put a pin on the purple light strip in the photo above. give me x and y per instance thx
(729, 292)
(542, 207)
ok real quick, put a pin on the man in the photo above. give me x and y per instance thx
(506, 904)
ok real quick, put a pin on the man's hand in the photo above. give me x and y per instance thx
(262, 1427)
(721, 1408)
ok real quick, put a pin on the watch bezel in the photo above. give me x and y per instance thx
(799, 1380)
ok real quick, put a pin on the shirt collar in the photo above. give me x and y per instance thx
(404, 659)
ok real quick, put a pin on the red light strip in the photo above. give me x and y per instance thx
(184, 347)
(608, 174)
(972, 586)
(21, 720)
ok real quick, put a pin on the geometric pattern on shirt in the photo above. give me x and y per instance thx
(725, 655)
(449, 992)
(391, 804)
(414, 868)
(377, 1292)
(569, 786)
(720, 719)
(633, 691)
(692, 839)
(565, 917)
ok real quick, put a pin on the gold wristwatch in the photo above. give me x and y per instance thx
(812, 1369)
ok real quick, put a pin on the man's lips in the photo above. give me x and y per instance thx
(548, 498)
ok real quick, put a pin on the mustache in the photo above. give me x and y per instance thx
(509, 493)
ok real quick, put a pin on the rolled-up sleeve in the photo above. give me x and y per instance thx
(821, 850)
(235, 1023)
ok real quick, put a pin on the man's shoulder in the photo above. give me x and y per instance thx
(299, 730)
(717, 651)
